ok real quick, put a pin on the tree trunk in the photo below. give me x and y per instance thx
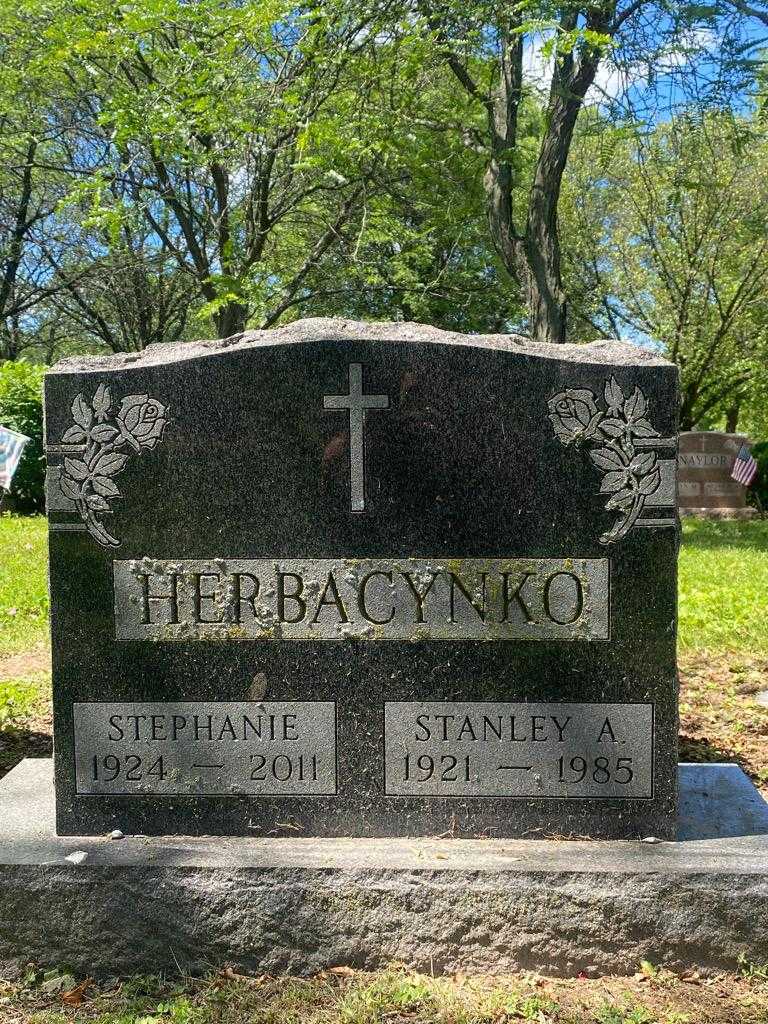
(18, 233)
(533, 261)
(532, 256)
(231, 319)
(543, 289)
(732, 418)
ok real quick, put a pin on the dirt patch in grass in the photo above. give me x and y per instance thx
(344, 996)
(720, 720)
(33, 738)
(26, 664)
(25, 707)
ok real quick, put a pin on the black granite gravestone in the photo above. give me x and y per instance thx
(347, 579)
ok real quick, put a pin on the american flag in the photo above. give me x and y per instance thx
(11, 447)
(744, 467)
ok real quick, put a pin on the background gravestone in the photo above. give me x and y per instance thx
(348, 579)
(705, 461)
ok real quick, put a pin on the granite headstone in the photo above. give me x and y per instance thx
(706, 487)
(364, 579)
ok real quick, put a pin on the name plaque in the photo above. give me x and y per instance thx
(699, 460)
(480, 748)
(227, 748)
(363, 598)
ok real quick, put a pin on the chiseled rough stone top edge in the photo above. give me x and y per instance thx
(719, 796)
(714, 433)
(323, 329)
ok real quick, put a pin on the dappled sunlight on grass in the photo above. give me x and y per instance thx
(723, 586)
(23, 583)
(729, 533)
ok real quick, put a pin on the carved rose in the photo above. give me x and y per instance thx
(629, 476)
(574, 415)
(97, 438)
(141, 420)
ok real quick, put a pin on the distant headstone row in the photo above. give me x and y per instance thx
(347, 579)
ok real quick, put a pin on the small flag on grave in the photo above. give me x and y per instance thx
(744, 467)
(11, 446)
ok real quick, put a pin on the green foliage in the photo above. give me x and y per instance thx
(757, 972)
(248, 136)
(667, 238)
(611, 1014)
(23, 583)
(759, 487)
(17, 699)
(198, 168)
(21, 408)
(418, 249)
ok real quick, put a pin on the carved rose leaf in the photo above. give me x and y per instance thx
(81, 412)
(643, 463)
(607, 459)
(102, 400)
(642, 428)
(75, 435)
(635, 406)
(650, 483)
(76, 468)
(613, 427)
(106, 487)
(622, 499)
(614, 396)
(613, 481)
(103, 433)
(70, 488)
(109, 464)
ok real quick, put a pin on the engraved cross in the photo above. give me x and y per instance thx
(357, 403)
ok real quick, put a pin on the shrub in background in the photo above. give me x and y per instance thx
(21, 408)
(759, 485)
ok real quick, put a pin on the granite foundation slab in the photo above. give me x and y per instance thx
(105, 907)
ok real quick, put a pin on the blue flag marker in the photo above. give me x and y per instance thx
(11, 446)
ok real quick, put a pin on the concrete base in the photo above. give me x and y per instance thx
(106, 907)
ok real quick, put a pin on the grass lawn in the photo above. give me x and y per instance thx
(723, 581)
(23, 586)
(343, 996)
(24, 673)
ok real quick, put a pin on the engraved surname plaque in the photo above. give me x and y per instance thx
(480, 748)
(224, 748)
(363, 598)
